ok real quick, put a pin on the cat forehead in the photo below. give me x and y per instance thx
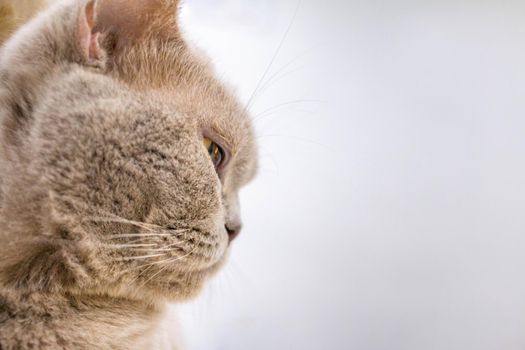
(183, 76)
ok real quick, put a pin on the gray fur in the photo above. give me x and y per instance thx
(94, 153)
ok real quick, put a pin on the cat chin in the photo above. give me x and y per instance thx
(188, 285)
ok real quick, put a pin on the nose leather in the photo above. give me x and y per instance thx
(233, 231)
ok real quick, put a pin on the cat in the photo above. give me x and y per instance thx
(121, 159)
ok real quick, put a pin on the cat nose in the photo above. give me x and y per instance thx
(233, 230)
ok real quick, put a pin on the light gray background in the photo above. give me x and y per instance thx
(389, 211)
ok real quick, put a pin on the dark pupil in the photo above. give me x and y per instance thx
(211, 148)
(215, 153)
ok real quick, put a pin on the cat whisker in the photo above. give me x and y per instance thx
(260, 116)
(281, 73)
(144, 257)
(297, 138)
(143, 225)
(148, 267)
(165, 267)
(111, 217)
(130, 245)
(170, 260)
(157, 262)
(138, 235)
(139, 239)
(153, 276)
(273, 81)
(141, 272)
(276, 54)
(175, 244)
(144, 239)
(278, 72)
(145, 265)
(153, 250)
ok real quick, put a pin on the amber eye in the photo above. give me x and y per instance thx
(215, 151)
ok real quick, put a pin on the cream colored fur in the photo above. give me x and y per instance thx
(109, 204)
(15, 13)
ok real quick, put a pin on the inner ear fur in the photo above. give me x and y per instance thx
(87, 37)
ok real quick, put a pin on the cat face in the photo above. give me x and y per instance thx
(122, 154)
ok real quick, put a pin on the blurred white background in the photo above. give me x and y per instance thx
(389, 211)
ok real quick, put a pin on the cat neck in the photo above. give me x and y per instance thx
(79, 321)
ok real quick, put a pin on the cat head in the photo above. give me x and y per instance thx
(121, 154)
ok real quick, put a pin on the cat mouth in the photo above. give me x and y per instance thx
(202, 257)
(193, 279)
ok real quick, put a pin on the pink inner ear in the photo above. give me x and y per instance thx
(94, 48)
(87, 39)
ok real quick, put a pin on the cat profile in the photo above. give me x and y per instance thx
(121, 158)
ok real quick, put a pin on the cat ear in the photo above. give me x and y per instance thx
(123, 23)
(87, 38)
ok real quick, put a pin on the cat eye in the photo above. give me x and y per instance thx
(215, 151)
